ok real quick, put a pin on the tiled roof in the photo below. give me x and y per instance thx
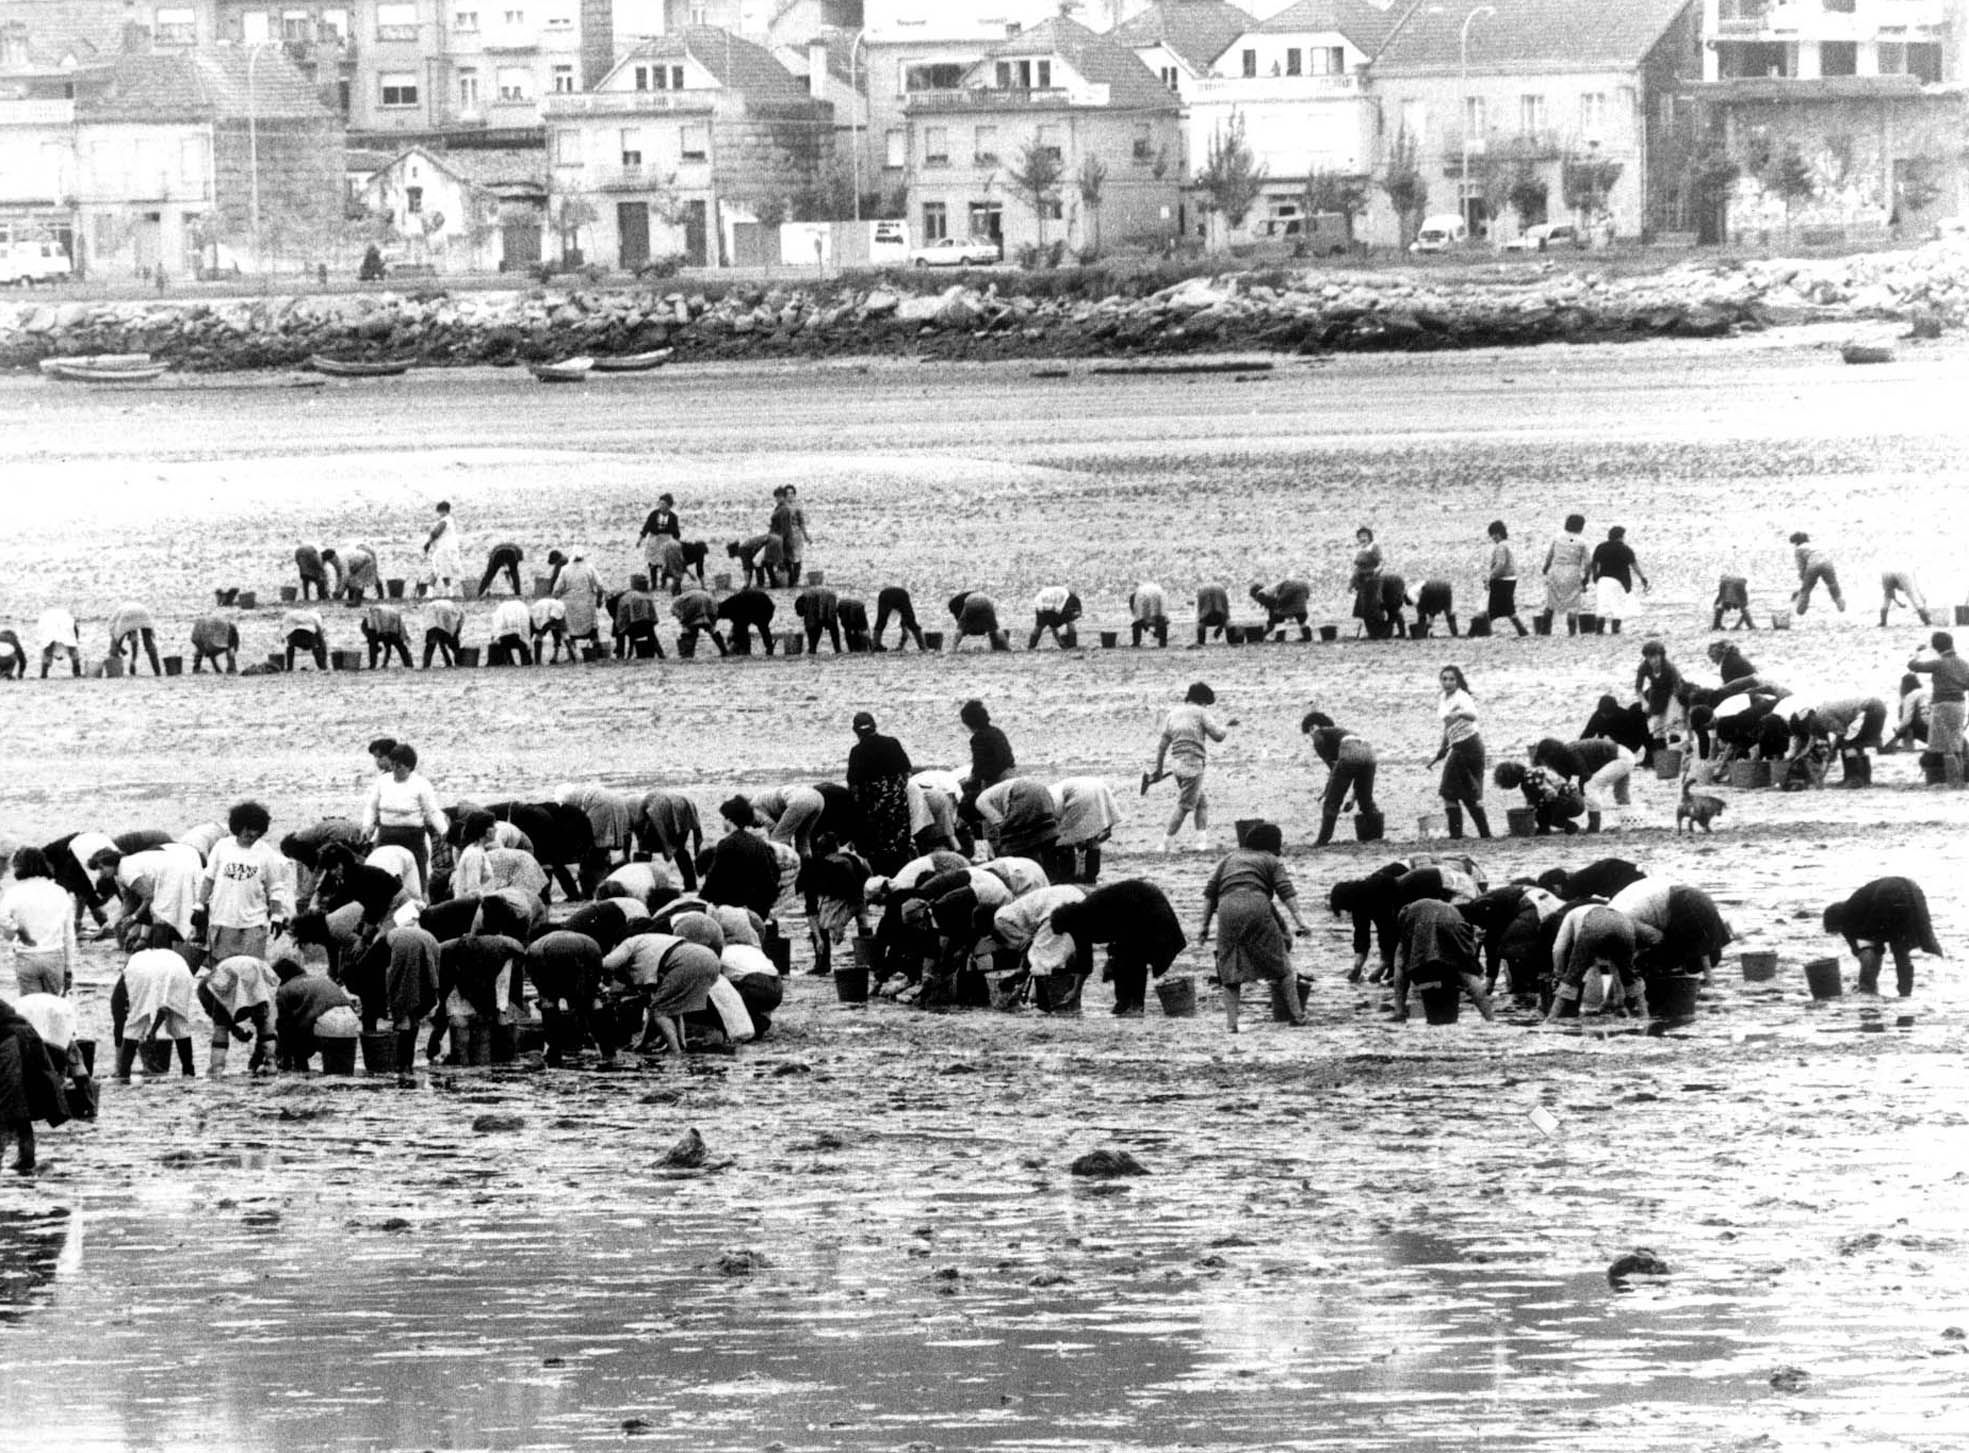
(87, 28)
(495, 166)
(737, 64)
(1097, 59)
(1366, 24)
(1529, 35)
(1197, 30)
(207, 84)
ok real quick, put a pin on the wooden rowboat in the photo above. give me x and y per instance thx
(71, 371)
(568, 370)
(95, 360)
(633, 362)
(1867, 353)
(360, 367)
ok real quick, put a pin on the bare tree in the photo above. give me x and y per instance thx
(1231, 178)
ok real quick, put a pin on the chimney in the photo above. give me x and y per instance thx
(817, 69)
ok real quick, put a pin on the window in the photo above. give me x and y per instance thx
(515, 18)
(255, 28)
(933, 76)
(984, 146)
(1531, 115)
(695, 143)
(563, 80)
(1144, 151)
(667, 78)
(413, 200)
(294, 25)
(896, 152)
(515, 83)
(399, 88)
(1838, 57)
(333, 27)
(1250, 64)
(1593, 115)
(1025, 75)
(1172, 78)
(396, 21)
(936, 222)
(1050, 138)
(175, 27)
(632, 148)
(1052, 209)
(936, 146)
(560, 20)
(466, 21)
(1474, 117)
(1294, 61)
(468, 87)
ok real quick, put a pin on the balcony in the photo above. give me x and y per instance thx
(630, 103)
(1246, 90)
(1799, 89)
(1505, 148)
(36, 113)
(628, 179)
(509, 41)
(1812, 20)
(160, 188)
(990, 98)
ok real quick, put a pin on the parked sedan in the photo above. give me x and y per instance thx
(1544, 237)
(956, 252)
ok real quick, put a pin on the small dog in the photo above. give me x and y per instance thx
(1696, 809)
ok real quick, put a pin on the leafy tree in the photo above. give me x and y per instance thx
(1330, 191)
(1788, 177)
(1036, 177)
(1092, 182)
(1406, 189)
(1231, 178)
(1527, 194)
(1919, 184)
(1587, 181)
(571, 214)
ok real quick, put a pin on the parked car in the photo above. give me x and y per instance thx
(1324, 234)
(23, 264)
(1544, 237)
(955, 252)
(1440, 233)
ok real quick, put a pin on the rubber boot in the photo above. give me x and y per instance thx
(1520, 625)
(1327, 822)
(215, 1061)
(407, 1056)
(1572, 625)
(1481, 819)
(1869, 980)
(1592, 822)
(1092, 873)
(1032, 641)
(1453, 814)
(1924, 618)
(126, 1059)
(1452, 624)
(185, 1066)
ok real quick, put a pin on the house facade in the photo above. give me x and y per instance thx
(1542, 110)
(1297, 84)
(462, 211)
(690, 138)
(1845, 116)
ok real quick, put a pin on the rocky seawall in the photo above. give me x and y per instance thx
(1014, 316)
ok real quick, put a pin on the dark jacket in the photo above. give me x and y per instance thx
(1887, 911)
(1132, 917)
(747, 607)
(30, 1081)
(991, 757)
(741, 871)
(874, 757)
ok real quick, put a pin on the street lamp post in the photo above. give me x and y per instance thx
(854, 115)
(253, 154)
(1463, 190)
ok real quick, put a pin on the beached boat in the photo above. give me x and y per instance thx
(633, 362)
(360, 367)
(75, 371)
(96, 360)
(568, 370)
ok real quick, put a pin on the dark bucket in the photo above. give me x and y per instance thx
(779, 949)
(1822, 978)
(247, 600)
(1244, 826)
(1178, 996)
(477, 1045)
(687, 646)
(276, 660)
(174, 665)
(1110, 639)
(468, 655)
(1541, 624)
(1758, 968)
(543, 586)
(290, 593)
(156, 1055)
(1962, 615)
(1369, 827)
(1672, 997)
(868, 954)
(792, 643)
(338, 1056)
(933, 640)
(1668, 764)
(1329, 633)
(1053, 993)
(1589, 624)
(851, 985)
(1479, 626)
(379, 1052)
(1522, 821)
(816, 577)
(395, 588)
(639, 582)
(1441, 1003)
(1748, 776)
(225, 597)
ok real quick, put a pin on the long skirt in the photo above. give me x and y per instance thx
(1250, 943)
(1463, 772)
(884, 838)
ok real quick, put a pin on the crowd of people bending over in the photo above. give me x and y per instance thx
(574, 614)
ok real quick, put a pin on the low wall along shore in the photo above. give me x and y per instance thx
(1012, 316)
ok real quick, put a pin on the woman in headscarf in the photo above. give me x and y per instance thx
(1251, 943)
(579, 588)
(1021, 821)
(1134, 919)
(878, 779)
(1088, 814)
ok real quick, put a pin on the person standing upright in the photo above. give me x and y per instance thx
(1565, 570)
(1184, 748)
(445, 550)
(1615, 568)
(1501, 578)
(1461, 753)
(1950, 674)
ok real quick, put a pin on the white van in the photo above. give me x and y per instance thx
(30, 262)
(1440, 233)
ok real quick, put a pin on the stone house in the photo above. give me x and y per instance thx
(687, 139)
(469, 210)
(1180, 40)
(1860, 101)
(1061, 89)
(1554, 110)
